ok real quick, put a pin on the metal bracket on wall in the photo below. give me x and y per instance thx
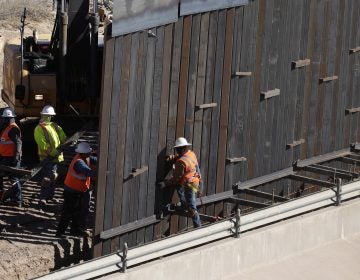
(236, 159)
(354, 50)
(137, 171)
(328, 79)
(355, 147)
(270, 93)
(352, 110)
(295, 143)
(300, 63)
(243, 74)
(205, 106)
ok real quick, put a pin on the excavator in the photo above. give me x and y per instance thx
(62, 69)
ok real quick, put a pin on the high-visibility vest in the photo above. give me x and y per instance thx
(53, 139)
(76, 181)
(7, 147)
(191, 177)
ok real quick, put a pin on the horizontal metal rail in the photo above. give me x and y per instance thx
(323, 158)
(225, 228)
(264, 179)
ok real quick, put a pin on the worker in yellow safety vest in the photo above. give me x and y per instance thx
(76, 186)
(186, 177)
(10, 155)
(48, 136)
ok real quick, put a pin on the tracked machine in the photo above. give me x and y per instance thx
(59, 69)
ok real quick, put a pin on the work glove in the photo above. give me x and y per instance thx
(161, 185)
(55, 153)
(170, 158)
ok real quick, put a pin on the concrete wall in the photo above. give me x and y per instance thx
(259, 247)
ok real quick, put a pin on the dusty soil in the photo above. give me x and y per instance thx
(28, 244)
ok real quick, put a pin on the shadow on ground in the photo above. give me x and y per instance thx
(34, 226)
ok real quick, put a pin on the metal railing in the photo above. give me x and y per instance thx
(226, 228)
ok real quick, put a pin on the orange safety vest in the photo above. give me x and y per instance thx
(76, 181)
(7, 147)
(191, 176)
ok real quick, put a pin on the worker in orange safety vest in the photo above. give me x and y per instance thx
(10, 155)
(186, 178)
(76, 185)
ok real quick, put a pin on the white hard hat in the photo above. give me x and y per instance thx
(83, 148)
(48, 110)
(181, 142)
(8, 113)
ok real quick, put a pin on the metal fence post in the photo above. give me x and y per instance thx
(237, 222)
(338, 191)
(124, 258)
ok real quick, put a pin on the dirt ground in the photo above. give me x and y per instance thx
(28, 246)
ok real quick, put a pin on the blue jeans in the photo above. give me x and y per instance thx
(48, 183)
(14, 192)
(188, 201)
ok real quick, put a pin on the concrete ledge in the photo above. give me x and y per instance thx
(232, 256)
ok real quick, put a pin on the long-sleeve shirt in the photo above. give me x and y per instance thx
(82, 168)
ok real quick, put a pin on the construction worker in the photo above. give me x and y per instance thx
(10, 155)
(76, 185)
(186, 177)
(48, 136)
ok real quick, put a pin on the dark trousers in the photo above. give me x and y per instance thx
(71, 211)
(14, 192)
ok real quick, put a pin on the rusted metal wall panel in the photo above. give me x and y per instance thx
(153, 84)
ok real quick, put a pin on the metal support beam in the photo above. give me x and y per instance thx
(330, 172)
(322, 158)
(312, 181)
(349, 160)
(214, 198)
(354, 155)
(250, 203)
(265, 195)
(263, 179)
(106, 234)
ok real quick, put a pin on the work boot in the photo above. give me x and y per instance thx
(77, 232)
(170, 207)
(60, 233)
(12, 203)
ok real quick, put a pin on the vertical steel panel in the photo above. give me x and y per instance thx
(152, 85)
